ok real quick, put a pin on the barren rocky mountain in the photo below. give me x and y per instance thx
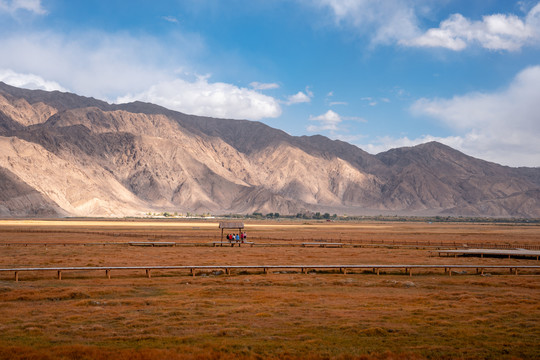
(67, 155)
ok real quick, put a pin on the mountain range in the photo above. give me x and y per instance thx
(67, 155)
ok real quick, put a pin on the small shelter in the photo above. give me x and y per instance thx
(230, 225)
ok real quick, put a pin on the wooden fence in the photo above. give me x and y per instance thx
(344, 269)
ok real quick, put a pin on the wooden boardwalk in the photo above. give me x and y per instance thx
(151, 243)
(374, 268)
(492, 252)
(322, 244)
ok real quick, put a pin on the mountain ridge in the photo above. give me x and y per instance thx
(129, 159)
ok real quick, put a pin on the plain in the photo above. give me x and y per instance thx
(248, 314)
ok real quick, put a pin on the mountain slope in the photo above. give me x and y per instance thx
(433, 176)
(20, 200)
(81, 156)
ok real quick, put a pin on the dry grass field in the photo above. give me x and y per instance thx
(250, 315)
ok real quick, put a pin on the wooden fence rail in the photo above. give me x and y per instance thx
(288, 243)
(375, 268)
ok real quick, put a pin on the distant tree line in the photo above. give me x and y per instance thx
(326, 216)
(397, 218)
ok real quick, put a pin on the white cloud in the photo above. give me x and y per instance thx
(501, 126)
(299, 97)
(470, 144)
(209, 99)
(119, 66)
(329, 96)
(263, 86)
(28, 81)
(371, 101)
(385, 143)
(170, 19)
(329, 121)
(397, 21)
(494, 32)
(12, 6)
(93, 63)
(390, 20)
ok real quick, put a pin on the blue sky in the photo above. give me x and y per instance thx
(378, 74)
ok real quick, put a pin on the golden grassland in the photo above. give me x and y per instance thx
(264, 231)
(249, 315)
